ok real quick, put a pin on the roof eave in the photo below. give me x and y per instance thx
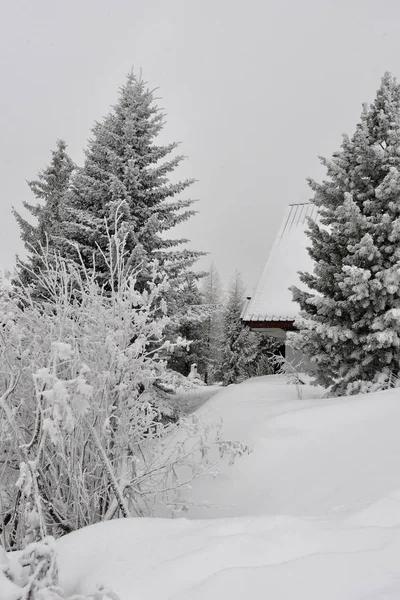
(287, 325)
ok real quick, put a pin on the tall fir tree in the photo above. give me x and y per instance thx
(351, 313)
(126, 170)
(50, 189)
(202, 324)
(190, 325)
(213, 296)
(239, 343)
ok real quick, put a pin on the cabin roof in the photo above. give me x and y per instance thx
(272, 300)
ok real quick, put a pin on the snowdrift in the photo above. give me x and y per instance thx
(313, 512)
(256, 557)
(311, 457)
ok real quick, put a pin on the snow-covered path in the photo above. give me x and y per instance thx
(311, 457)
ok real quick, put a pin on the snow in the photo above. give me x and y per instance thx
(313, 512)
(306, 453)
(254, 557)
(272, 300)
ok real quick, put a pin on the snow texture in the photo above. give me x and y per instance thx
(313, 512)
(272, 300)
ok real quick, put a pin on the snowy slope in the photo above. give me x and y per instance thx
(313, 512)
(311, 457)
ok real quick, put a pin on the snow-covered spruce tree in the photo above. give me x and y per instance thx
(212, 291)
(125, 164)
(190, 325)
(50, 190)
(350, 326)
(238, 342)
(201, 322)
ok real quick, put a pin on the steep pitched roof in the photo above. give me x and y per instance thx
(272, 300)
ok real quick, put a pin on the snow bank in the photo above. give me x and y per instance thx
(311, 457)
(255, 557)
(313, 512)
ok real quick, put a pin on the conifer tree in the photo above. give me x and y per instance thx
(202, 324)
(190, 325)
(212, 291)
(126, 167)
(50, 190)
(351, 311)
(239, 343)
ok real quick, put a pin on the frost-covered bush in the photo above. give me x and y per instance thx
(34, 576)
(289, 370)
(82, 438)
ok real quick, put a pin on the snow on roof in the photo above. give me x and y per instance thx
(272, 300)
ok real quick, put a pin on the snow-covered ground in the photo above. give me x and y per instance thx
(313, 512)
(280, 557)
(312, 457)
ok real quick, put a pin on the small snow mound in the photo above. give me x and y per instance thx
(385, 512)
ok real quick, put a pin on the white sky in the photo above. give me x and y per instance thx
(254, 89)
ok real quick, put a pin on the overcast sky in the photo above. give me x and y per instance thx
(255, 91)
